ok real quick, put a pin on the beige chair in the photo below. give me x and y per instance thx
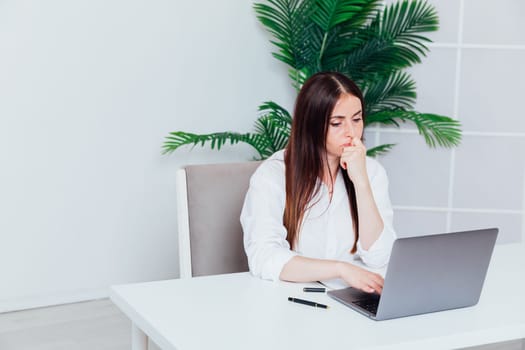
(209, 203)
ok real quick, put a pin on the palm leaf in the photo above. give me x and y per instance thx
(288, 21)
(394, 91)
(275, 130)
(270, 107)
(403, 20)
(369, 9)
(389, 42)
(436, 129)
(275, 124)
(337, 52)
(345, 39)
(216, 140)
(328, 15)
(380, 150)
(371, 56)
(359, 38)
(298, 77)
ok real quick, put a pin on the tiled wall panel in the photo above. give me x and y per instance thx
(475, 72)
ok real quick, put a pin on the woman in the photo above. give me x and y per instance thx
(314, 206)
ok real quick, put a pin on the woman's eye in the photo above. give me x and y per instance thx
(335, 124)
(357, 120)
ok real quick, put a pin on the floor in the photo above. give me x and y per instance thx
(92, 325)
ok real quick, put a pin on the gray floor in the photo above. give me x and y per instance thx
(510, 345)
(91, 325)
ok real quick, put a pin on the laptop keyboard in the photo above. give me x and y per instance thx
(369, 304)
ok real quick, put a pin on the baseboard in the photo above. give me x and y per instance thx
(36, 301)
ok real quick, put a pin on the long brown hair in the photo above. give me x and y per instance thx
(305, 155)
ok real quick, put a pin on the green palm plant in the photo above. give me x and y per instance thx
(372, 44)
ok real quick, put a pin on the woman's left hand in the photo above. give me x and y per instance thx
(353, 159)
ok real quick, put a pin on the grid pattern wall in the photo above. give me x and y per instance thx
(475, 72)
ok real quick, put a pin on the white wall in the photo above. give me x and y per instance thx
(475, 72)
(89, 89)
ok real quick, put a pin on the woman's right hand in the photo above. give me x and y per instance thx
(360, 278)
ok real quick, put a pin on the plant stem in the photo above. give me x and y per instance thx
(321, 52)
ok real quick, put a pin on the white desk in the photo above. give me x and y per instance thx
(238, 311)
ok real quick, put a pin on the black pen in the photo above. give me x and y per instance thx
(307, 302)
(314, 289)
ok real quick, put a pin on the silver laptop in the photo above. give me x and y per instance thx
(427, 274)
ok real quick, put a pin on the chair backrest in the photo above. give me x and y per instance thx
(209, 203)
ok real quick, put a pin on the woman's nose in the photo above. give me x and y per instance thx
(349, 131)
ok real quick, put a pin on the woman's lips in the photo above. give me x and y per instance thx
(347, 145)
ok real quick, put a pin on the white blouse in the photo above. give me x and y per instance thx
(326, 231)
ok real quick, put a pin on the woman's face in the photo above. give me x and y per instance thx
(345, 124)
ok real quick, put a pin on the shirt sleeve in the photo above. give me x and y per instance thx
(379, 253)
(262, 222)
